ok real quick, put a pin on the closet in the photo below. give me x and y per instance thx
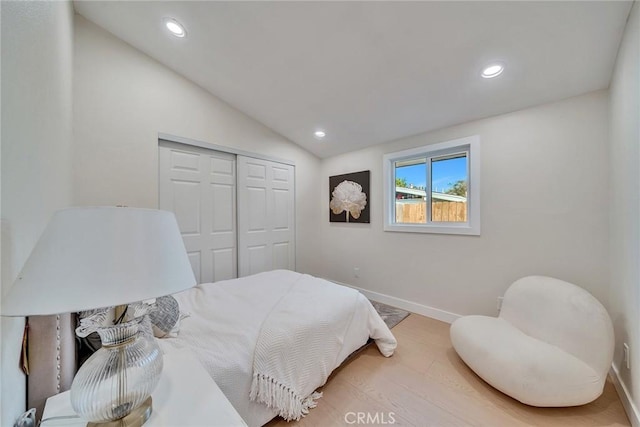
(236, 212)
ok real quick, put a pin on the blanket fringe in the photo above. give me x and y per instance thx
(287, 402)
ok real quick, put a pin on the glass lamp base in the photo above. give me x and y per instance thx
(135, 419)
(120, 376)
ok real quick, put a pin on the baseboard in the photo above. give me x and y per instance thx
(425, 310)
(625, 396)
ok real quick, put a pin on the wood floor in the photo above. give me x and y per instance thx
(425, 383)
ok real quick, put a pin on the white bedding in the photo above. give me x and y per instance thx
(227, 318)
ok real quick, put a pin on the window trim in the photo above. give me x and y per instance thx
(471, 145)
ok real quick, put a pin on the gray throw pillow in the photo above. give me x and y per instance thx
(165, 316)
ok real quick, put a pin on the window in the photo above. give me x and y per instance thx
(434, 189)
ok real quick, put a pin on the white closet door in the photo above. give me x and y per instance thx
(266, 216)
(199, 186)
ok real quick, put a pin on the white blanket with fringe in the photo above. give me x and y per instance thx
(299, 343)
(227, 321)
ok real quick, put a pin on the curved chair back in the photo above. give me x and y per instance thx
(561, 314)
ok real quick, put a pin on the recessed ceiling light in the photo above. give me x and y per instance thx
(493, 70)
(175, 27)
(320, 134)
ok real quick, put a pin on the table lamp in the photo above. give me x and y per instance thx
(96, 257)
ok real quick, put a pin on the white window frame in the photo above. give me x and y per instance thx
(470, 145)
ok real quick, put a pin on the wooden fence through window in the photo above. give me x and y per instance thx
(441, 211)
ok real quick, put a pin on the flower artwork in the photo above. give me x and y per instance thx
(349, 197)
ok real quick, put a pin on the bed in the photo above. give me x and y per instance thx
(226, 329)
(271, 339)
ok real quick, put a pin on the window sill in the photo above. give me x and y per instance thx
(463, 229)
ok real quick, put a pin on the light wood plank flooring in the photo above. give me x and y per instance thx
(425, 383)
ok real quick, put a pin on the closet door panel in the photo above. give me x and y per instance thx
(281, 255)
(224, 264)
(283, 195)
(185, 201)
(256, 209)
(222, 215)
(266, 238)
(180, 189)
(199, 186)
(255, 260)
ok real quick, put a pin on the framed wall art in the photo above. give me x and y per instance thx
(349, 197)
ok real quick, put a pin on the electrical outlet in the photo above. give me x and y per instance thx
(500, 303)
(356, 272)
(627, 358)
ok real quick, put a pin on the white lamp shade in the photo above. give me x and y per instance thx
(98, 257)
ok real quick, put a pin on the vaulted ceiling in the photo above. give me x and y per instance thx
(370, 72)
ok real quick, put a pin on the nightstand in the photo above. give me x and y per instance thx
(186, 396)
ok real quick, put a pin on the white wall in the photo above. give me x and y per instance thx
(123, 98)
(544, 211)
(625, 203)
(37, 50)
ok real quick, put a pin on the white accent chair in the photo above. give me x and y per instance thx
(551, 345)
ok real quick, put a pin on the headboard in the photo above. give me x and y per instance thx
(51, 350)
